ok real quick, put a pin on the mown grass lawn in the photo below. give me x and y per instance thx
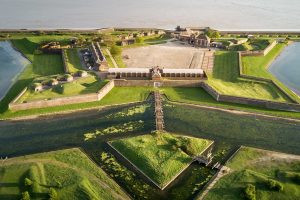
(199, 96)
(74, 63)
(161, 156)
(258, 66)
(253, 166)
(225, 78)
(85, 85)
(69, 172)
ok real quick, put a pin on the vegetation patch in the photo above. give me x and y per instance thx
(65, 174)
(123, 128)
(160, 155)
(256, 175)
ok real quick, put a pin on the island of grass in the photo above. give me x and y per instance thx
(161, 156)
(271, 175)
(78, 86)
(65, 174)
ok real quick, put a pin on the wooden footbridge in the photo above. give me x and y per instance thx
(158, 111)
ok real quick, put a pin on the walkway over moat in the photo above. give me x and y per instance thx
(158, 111)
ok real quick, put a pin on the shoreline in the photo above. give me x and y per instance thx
(15, 78)
(99, 29)
(268, 68)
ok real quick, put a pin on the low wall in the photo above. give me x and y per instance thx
(105, 90)
(62, 101)
(250, 101)
(150, 83)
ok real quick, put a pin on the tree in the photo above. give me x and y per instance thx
(27, 181)
(52, 194)
(250, 192)
(25, 196)
(138, 40)
(274, 185)
(215, 34)
(115, 50)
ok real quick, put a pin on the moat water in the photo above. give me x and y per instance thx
(221, 14)
(286, 67)
(11, 65)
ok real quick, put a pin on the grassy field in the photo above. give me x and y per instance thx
(161, 156)
(199, 96)
(69, 172)
(258, 66)
(85, 85)
(225, 78)
(74, 63)
(118, 95)
(233, 128)
(253, 166)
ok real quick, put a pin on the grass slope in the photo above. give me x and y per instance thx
(69, 172)
(225, 78)
(199, 96)
(256, 167)
(74, 63)
(159, 155)
(233, 128)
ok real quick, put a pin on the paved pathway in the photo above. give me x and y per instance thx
(159, 116)
(223, 171)
(208, 61)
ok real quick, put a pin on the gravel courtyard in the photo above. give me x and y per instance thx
(169, 55)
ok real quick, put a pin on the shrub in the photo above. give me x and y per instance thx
(27, 182)
(274, 185)
(25, 196)
(250, 192)
(115, 50)
(52, 194)
(138, 40)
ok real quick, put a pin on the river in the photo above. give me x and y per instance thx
(12, 64)
(221, 14)
(286, 67)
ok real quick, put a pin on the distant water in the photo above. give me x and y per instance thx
(221, 14)
(286, 67)
(11, 64)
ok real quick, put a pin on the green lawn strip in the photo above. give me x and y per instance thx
(70, 172)
(118, 95)
(107, 57)
(84, 85)
(160, 155)
(199, 96)
(74, 63)
(258, 66)
(225, 79)
(253, 166)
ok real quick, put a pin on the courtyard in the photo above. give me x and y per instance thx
(172, 54)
